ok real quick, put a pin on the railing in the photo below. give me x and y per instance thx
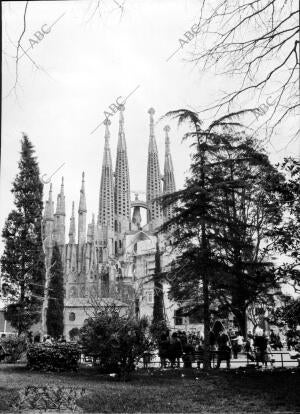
(282, 361)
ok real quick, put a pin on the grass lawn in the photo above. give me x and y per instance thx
(166, 391)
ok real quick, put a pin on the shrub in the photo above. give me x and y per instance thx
(116, 342)
(57, 357)
(157, 329)
(73, 334)
(14, 347)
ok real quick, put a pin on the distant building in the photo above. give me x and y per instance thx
(112, 258)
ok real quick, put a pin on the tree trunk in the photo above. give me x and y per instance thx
(241, 317)
(206, 316)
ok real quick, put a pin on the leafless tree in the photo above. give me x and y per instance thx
(256, 42)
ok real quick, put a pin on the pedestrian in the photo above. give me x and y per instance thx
(235, 347)
(175, 350)
(260, 344)
(199, 352)
(224, 351)
(163, 349)
(269, 356)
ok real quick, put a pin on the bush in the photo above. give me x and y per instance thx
(157, 329)
(57, 357)
(116, 342)
(73, 334)
(14, 347)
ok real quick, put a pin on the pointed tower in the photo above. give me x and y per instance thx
(82, 215)
(122, 186)
(106, 197)
(60, 214)
(48, 227)
(72, 231)
(169, 180)
(153, 179)
(91, 230)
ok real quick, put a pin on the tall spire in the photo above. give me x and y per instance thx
(169, 180)
(48, 212)
(60, 206)
(82, 200)
(72, 231)
(59, 226)
(82, 214)
(153, 179)
(91, 230)
(122, 183)
(106, 196)
(48, 223)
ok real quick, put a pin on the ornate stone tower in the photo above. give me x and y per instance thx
(106, 197)
(82, 215)
(72, 230)
(106, 215)
(153, 179)
(48, 226)
(59, 218)
(169, 180)
(122, 187)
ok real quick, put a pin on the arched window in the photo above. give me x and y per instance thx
(72, 316)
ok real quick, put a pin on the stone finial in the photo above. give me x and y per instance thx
(107, 122)
(151, 111)
(82, 201)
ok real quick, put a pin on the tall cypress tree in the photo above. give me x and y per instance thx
(158, 306)
(55, 309)
(22, 262)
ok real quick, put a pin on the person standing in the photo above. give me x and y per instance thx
(224, 351)
(260, 344)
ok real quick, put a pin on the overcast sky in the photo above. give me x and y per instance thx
(82, 66)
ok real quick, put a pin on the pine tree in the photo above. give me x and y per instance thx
(22, 262)
(228, 206)
(55, 309)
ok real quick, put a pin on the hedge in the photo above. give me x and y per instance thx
(12, 347)
(56, 357)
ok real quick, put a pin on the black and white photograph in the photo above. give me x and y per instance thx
(150, 206)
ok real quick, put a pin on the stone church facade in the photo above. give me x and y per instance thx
(111, 259)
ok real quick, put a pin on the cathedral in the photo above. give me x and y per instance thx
(112, 259)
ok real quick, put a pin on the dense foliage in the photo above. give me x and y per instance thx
(115, 341)
(224, 227)
(288, 314)
(22, 262)
(55, 309)
(14, 347)
(56, 357)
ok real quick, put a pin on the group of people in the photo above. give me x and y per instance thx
(223, 345)
(45, 339)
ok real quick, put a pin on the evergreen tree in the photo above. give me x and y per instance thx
(55, 309)
(22, 262)
(228, 207)
(158, 306)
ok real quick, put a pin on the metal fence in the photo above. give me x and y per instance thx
(276, 359)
